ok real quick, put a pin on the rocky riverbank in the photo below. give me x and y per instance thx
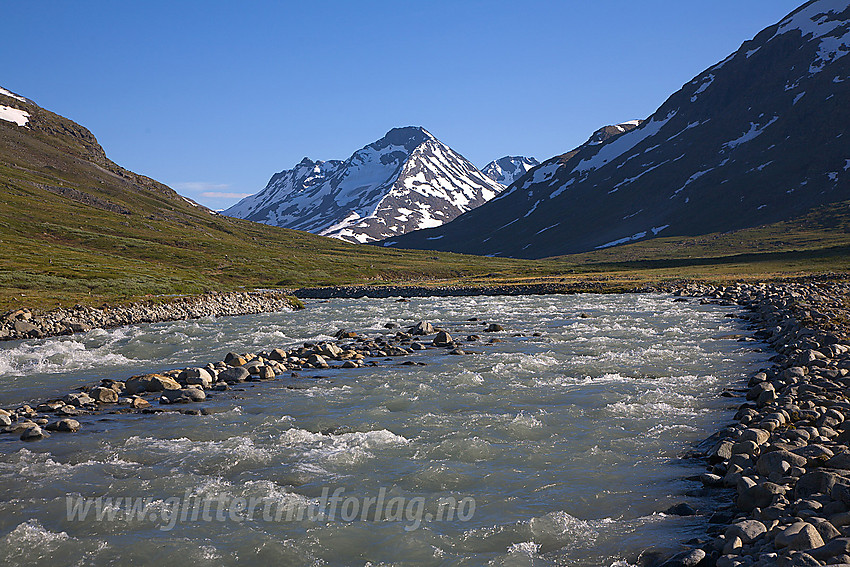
(25, 324)
(784, 464)
(149, 393)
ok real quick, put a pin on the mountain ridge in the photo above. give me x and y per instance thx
(407, 179)
(754, 139)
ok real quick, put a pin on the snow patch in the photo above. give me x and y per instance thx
(11, 94)
(797, 98)
(15, 115)
(563, 188)
(754, 131)
(435, 237)
(624, 240)
(547, 228)
(690, 180)
(708, 80)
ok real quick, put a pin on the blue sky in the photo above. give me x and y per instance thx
(213, 97)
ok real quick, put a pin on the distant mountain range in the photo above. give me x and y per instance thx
(405, 181)
(760, 137)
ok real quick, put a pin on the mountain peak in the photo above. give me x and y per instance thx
(508, 169)
(408, 137)
(405, 181)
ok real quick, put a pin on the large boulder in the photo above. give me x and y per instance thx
(422, 328)
(442, 339)
(104, 395)
(196, 376)
(150, 383)
(233, 375)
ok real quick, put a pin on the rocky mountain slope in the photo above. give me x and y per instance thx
(508, 169)
(405, 181)
(758, 138)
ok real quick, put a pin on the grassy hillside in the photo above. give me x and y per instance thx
(77, 228)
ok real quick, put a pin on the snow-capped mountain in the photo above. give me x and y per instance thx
(758, 138)
(508, 169)
(405, 181)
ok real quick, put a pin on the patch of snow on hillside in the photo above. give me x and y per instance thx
(846, 165)
(754, 131)
(11, 94)
(622, 144)
(15, 115)
(818, 21)
(435, 237)
(624, 240)
(830, 50)
(563, 188)
(752, 52)
(702, 87)
(812, 20)
(690, 180)
(533, 208)
(797, 98)
(547, 228)
(685, 129)
(655, 230)
(636, 177)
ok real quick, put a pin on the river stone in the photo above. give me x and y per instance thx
(349, 364)
(690, 558)
(816, 482)
(253, 367)
(826, 530)
(815, 454)
(5, 420)
(183, 396)
(278, 354)
(494, 328)
(317, 361)
(150, 383)
(66, 425)
(422, 328)
(329, 350)
(199, 376)
(772, 462)
(233, 375)
(839, 461)
(758, 436)
(137, 403)
(78, 399)
(838, 546)
(745, 448)
(759, 389)
(748, 530)
(442, 339)
(33, 433)
(758, 496)
(104, 395)
(799, 536)
(722, 451)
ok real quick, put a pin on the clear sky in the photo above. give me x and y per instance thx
(213, 97)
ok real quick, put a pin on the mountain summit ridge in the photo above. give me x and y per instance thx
(404, 181)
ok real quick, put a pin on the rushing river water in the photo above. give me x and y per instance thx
(554, 449)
